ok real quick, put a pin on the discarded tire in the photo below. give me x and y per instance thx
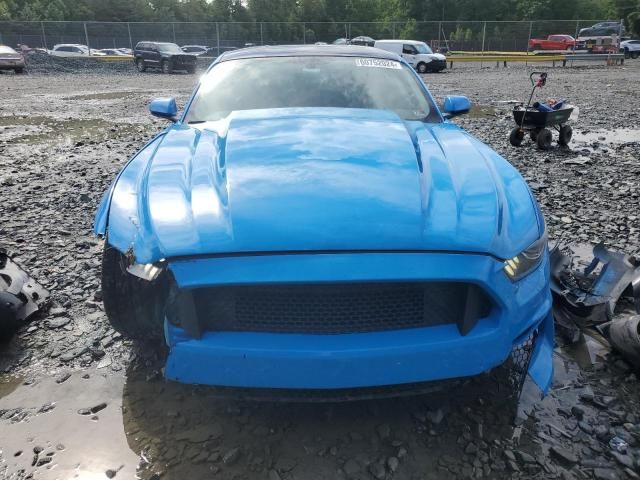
(625, 338)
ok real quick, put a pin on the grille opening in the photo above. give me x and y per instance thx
(340, 308)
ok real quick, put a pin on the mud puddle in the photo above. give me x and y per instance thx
(41, 129)
(482, 111)
(97, 424)
(614, 137)
(71, 429)
(109, 95)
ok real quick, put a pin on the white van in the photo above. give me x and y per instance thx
(417, 54)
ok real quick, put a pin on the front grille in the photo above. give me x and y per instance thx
(518, 362)
(339, 308)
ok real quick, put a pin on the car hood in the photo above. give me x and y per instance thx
(287, 180)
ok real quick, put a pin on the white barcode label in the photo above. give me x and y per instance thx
(377, 63)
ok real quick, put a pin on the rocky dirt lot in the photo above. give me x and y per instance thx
(77, 401)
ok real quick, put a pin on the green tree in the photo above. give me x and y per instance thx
(5, 10)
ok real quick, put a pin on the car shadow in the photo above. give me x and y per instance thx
(186, 431)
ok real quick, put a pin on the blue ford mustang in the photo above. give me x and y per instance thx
(313, 221)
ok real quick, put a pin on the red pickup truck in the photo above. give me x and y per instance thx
(553, 42)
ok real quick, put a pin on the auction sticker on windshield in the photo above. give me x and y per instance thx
(377, 62)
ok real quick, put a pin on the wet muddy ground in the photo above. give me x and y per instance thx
(77, 401)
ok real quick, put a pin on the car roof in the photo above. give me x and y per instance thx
(308, 50)
(156, 43)
(408, 42)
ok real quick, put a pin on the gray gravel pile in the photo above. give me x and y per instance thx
(40, 63)
(62, 140)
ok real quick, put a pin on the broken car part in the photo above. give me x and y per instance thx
(624, 334)
(20, 296)
(588, 297)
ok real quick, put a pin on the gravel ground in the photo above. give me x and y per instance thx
(75, 398)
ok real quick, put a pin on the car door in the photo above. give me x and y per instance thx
(557, 42)
(153, 54)
(409, 53)
(143, 51)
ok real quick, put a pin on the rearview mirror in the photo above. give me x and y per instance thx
(456, 105)
(164, 107)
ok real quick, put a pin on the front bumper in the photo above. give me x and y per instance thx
(303, 361)
(438, 65)
(11, 64)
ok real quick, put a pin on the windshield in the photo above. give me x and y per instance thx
(169, 48)
(283, 82)
(423, 48)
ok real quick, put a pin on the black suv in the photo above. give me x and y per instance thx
(602, 29)
(165, 56)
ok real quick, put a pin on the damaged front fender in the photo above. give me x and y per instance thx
(123, 206)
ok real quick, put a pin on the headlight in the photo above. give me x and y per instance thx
(518, 266)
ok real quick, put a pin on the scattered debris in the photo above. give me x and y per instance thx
(20, 296)
(588, 297)
(624, 334)
(618, 444)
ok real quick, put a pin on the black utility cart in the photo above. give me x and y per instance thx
(538, 123)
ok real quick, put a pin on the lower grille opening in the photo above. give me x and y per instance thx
(339, 308)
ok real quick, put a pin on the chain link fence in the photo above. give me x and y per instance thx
(475, 36)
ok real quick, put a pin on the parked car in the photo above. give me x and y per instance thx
(11, 60)
(341, 41)
(363, 41)
(631, 48)
(214, 51)
(126, 51)
(417, 54)
(610, 23)
(167, 57)
(113, 51)
(603, 29)
(553, 42)
(195, 49)
(69, 50)
(336, 233)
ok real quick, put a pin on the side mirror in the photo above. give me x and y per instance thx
(164, 107)
(456, 105)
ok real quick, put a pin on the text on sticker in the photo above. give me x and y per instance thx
(377, 62)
